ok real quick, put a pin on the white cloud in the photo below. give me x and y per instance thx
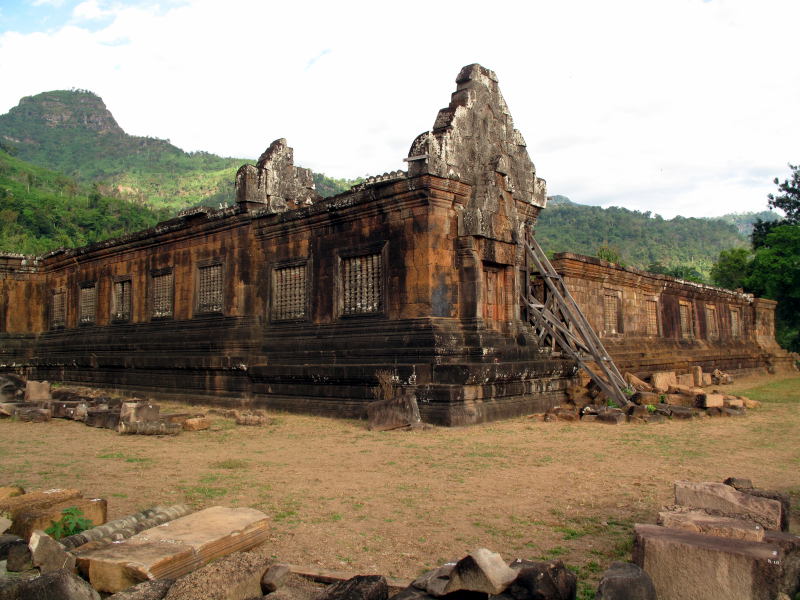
(53, 3)
(664, 106)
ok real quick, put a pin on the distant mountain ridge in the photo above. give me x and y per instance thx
(72, 131)
(640, 238)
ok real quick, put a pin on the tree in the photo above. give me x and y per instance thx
(775, 274)
(789, 199)
(732, 268)
(609, 254)
(687, 272)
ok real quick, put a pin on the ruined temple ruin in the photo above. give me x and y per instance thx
(290, 301)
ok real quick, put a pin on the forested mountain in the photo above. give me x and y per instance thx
(640, 239)
(74, 133)
(41, 210)
(744, 221)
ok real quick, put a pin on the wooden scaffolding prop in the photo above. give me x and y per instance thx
(558, 320)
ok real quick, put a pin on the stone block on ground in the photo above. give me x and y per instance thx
(32, 415)
(10, 491)
(176, 547)
(392, 413)
(542, 579)
(147, 590)
(790, 545)
(234, 577)
(57, 585)
(32, 500)
(48, 555)
(196, 424)
(637, 384)
(611, 416)
(679, 400)
(661, 380)
(722, 499)
(681, 412)
(562, 413)
(5, 544)
(697, 376)
(137, 412)
(37, 391)
(434, 582)
(274, 577)
(360, 587)
(701, 522)
(748, 403)
(707, 380)
(733, 402)
(19, 557)
(26, 521)
(712, 401)
(739, 483)
(784, 499)
(625, 581)
(686, 379)
(684, 564)
(480, 571)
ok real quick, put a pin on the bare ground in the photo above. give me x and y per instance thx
(398, 502)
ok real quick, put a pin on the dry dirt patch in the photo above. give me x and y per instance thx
(397, 502)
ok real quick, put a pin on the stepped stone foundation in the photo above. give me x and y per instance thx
(290, 301)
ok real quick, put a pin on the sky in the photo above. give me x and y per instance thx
(683, 107)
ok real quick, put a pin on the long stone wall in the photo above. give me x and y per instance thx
(652, 322)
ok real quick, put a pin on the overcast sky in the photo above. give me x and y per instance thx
(684, 107)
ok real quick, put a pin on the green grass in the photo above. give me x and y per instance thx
(230, 463)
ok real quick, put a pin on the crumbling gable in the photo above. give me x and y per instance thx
(275, 182)
(474, 141)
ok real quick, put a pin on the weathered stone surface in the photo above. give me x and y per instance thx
(26, 521)
(662, 380)
(739, 483)
(611, 416)
(707, 380)
(234, 577)
(274, 577)
(790, 565)
(725, 500)
(637, 384)
(37, 391)
(702, 522)
(480, 571)
(10, 491)
(176, 547)
(48, 555)
(686, 379)
(5, 524)
(712, 401)
(784, 499)
(137, 412)
(680, 412)
(684, 565)
(625, 581)
(539, 580)
(155, 589)
(19, 557)
(5, 544)
(196, 424)
(748, 403)
(275, 182)
(562, 413)
(56, 585)
(391, 413)
(360, 587)
(435, 582)
(697, 376)
(733, 402)
(34, 500)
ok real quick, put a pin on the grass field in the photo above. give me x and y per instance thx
(398, 502)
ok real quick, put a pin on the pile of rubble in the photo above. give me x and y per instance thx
(660, 396)
(35, 401)
(721, 540)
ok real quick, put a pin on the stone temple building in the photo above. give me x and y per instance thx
(290, 301)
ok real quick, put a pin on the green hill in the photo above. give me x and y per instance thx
(640, 239)
(41, 210)
(73, 132)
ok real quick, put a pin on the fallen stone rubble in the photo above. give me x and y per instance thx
(35, 401)
(666, 395)
(721, 540)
